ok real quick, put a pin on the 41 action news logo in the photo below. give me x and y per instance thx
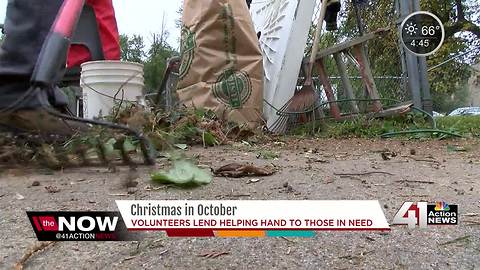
(424, 214)
(79, 226)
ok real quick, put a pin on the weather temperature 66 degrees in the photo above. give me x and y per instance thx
(422, 33)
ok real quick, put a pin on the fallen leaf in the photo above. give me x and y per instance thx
(236, 170)
(183, 173)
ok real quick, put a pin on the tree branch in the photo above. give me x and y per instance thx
(462, 26)
(461, 23)
(472, 28)
(460, 11)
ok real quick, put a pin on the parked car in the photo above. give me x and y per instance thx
(465, 111)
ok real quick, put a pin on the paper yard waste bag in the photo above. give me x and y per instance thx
(222, 68)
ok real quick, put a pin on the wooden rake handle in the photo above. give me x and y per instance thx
(316, 40)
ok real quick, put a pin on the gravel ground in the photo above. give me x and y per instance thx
(309, 168)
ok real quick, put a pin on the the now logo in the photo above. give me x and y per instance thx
(87, 224)
(79, 226)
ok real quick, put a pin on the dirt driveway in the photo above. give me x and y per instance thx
(421, 171)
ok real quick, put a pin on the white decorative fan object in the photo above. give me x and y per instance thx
(284, 27)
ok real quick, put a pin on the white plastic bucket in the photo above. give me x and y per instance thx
(102, 80)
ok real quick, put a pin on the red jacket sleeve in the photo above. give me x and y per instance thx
(108, 30)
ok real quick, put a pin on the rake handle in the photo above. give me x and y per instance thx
(316, 40)
(53, 55)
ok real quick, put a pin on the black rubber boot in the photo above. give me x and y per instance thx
(333, 7)
(27, 24)
(24, 107)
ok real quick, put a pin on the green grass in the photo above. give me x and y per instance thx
(467, 126)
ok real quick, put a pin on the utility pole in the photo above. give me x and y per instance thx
(415, 67)
(423, 68)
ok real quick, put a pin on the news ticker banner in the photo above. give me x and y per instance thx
(252, 218)
(234, 219)
(211, 219)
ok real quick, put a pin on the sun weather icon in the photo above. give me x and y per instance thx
(411, 28)
(442, 206)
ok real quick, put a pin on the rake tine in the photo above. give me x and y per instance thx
(279, 124)
(82, 154)
(48, 157)
(125, 156)
(148, 151)
(62, 156)
(102, 154)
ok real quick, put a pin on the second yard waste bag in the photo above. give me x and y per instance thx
(222, 66)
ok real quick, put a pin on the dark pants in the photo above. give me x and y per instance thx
(26, 26)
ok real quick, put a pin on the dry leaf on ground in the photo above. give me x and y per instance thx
(236, 170)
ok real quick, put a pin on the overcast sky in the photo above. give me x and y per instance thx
(139, 17)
